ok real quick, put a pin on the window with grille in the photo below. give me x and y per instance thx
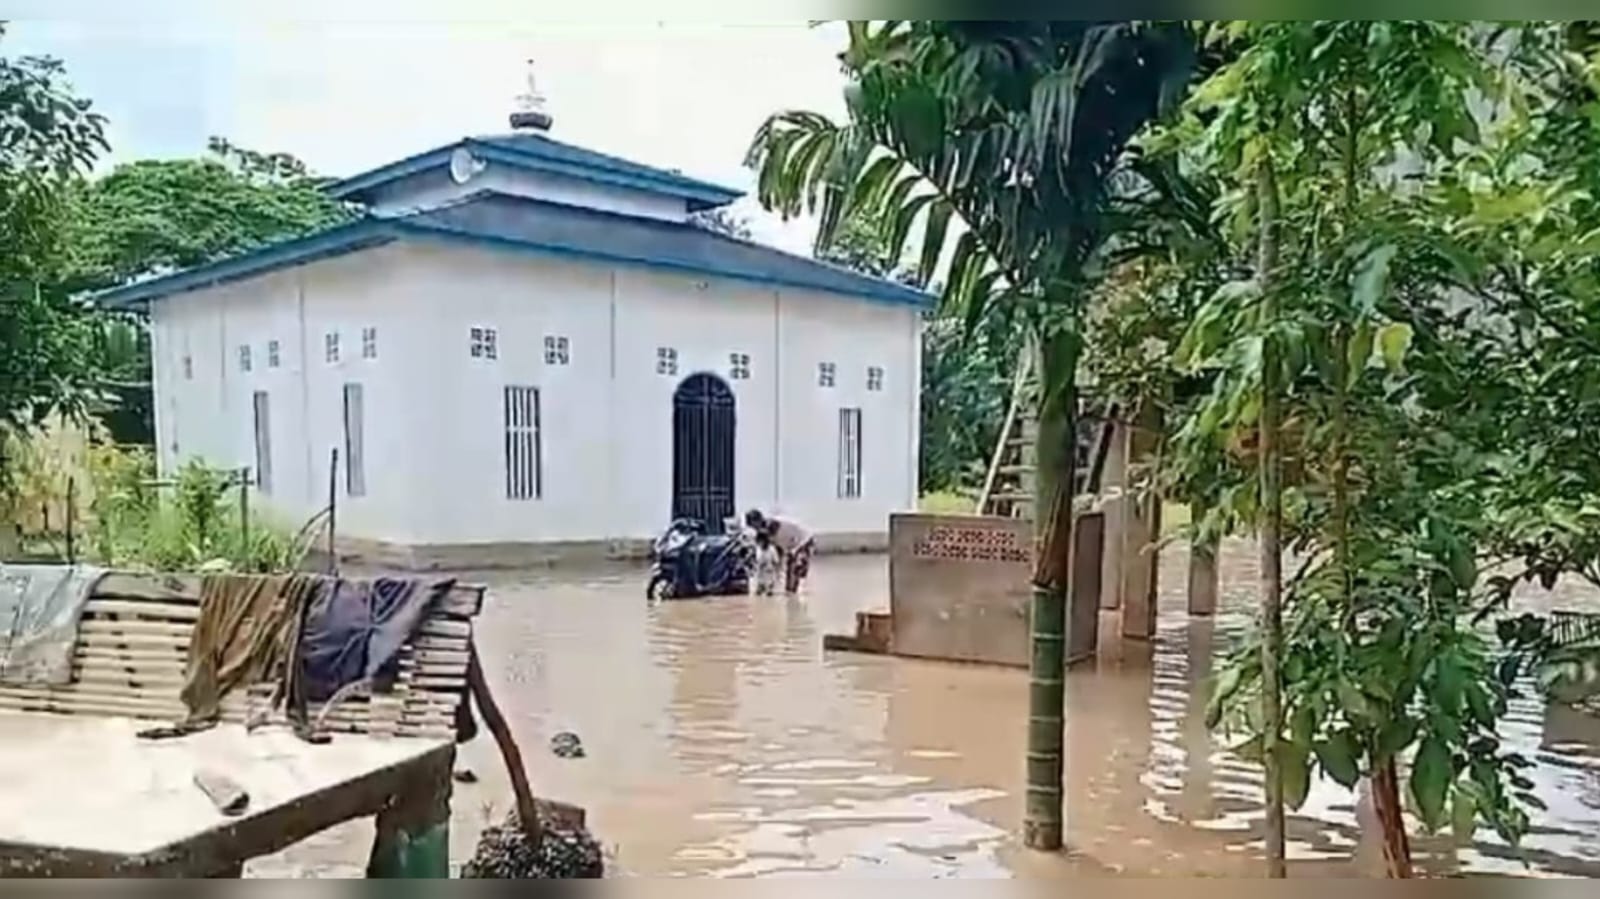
(484, 343)
(272, 354)
(524, 445)
(355, 472)
(874, 377)
(557, 350)
(244, 357)
(849, 453)
(330, 346)
(666, 360)
(369, 343)
(739, 366)
(827, 373)
(263, 434)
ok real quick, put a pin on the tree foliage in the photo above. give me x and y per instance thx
(1001, 141)
(48, 137)
(993, 150)
(1435, 293)
(992, 145)
(722, 221)
(966, 382)
(157, 215)
(152, 216)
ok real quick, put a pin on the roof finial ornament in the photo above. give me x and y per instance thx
(530, 112)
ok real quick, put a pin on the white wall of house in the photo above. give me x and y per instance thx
(434, 430)
(210, 415)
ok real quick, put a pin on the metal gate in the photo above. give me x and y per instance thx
(702, 451)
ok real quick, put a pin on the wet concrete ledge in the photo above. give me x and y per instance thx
(360, 552)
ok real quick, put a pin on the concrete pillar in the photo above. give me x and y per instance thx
(1112, 480)
(1083, 608)
(1203, 575)
(1198, 800)
(1141, 529)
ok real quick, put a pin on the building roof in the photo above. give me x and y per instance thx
(519, 224)
(540, 153)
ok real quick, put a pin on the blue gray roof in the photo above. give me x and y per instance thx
(539, 153)
(518, 224)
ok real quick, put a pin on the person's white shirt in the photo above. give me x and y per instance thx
(789, 535)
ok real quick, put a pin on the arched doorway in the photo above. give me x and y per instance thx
(702, 450)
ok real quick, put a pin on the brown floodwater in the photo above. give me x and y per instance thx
(722, 741)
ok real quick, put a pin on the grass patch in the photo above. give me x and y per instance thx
(947, 502)
(1174, 518)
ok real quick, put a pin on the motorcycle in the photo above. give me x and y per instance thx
(686, 562)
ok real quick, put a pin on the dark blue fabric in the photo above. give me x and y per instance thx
(354, 630)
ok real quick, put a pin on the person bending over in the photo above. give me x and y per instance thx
(794, 543)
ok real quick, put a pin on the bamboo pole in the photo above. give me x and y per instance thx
(1271, 473)
(244, 511)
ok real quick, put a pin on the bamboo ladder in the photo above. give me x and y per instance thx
(1008, 487)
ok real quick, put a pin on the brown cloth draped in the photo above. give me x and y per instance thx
(246, 634)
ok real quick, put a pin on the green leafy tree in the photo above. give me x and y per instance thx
(152, 216)
(1524, 244)
(860, 244)
(999, 143)
(1399, 371)
(48, 138)
(966, 380)
(158, 215)
(722, 221)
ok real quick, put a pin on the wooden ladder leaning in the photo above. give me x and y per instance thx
(1008, 487)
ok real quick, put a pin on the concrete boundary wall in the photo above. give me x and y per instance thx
(960, 587)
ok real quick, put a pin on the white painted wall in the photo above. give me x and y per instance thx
(818, 328)
(706, 321)
(434, 418)
(210, 416)
(431, 189)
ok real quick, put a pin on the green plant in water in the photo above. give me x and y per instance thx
(197, 526)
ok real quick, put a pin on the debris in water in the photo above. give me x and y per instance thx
(563, 851)
(566, 745)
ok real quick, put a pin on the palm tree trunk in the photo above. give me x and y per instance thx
(1271, 466)
(1056, 470)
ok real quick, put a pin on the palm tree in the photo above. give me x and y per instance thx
(1002, 141)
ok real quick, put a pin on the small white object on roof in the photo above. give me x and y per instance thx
(463, 165)
(530, 111)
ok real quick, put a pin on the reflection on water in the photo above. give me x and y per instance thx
(722, 741)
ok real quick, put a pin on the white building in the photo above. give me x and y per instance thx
(524, 348)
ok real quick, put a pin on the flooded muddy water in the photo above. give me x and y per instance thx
(722, 741)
